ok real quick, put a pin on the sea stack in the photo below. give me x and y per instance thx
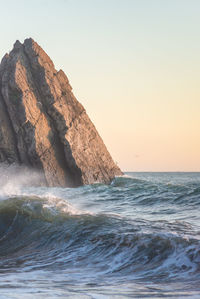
(43, 126)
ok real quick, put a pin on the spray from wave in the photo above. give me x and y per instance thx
(15, 177)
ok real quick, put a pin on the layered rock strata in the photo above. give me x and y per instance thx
(43, 126)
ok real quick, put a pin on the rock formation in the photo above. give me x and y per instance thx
(43, 126)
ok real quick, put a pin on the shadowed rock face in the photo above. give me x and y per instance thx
(43, 126)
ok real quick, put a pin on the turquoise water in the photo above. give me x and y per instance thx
(136, 238)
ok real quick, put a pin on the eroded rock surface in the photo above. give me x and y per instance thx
(43, 126)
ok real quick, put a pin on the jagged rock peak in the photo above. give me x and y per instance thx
(43, 126)
(17, 44)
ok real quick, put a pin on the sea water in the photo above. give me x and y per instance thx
(138, 237)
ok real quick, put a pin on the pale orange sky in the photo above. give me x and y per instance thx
(133, 64)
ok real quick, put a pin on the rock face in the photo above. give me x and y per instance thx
(43, 126)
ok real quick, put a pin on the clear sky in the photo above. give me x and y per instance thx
(133, 64)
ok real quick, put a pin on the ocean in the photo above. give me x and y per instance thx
(138, 237)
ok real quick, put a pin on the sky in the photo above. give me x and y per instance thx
(133, 64)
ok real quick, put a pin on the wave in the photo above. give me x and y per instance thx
(149, 192)
(49, 233)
